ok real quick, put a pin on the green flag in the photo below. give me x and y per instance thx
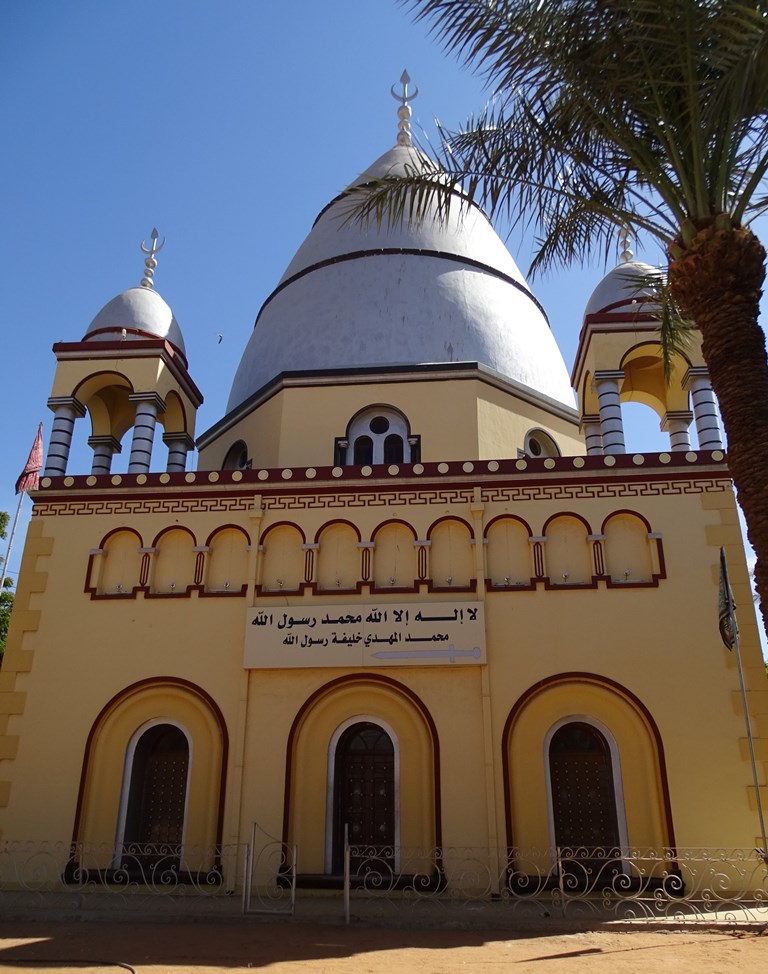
(728, 628)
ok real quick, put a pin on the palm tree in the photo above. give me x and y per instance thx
(609, 113)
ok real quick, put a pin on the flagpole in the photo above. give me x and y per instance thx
(750, 741)
(10, 541)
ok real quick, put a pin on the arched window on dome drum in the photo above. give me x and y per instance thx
(237, 457)
(363, 450)
(377, 434)
(393, 449)
(540, 444)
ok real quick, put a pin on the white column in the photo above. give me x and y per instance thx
(609, 404)
(179, 444)
(66, 409)
(677, 424)
(590, 427)
(704, 408)
(104, 448)
(148, 405)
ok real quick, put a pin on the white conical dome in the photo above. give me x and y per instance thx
(359, 296)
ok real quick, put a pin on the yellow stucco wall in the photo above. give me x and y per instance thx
(456, 418)
(72, 651)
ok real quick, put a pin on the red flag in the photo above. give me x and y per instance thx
(30, 475)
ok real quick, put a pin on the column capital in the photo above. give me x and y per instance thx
(55, 402)
(694, 372)
(588, 419)
(608, 374)
(675, 416)
(150, 397)
(182, 438)
(105, 441)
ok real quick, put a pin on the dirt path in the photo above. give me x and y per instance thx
(289, 947)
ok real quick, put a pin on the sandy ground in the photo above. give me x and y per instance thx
(287, 947)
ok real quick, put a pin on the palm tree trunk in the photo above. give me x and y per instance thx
(717, 281)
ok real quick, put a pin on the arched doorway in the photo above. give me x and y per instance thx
(156, 803)
(364, 794)
(584, 810)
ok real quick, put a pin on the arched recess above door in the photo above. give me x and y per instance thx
(165, 700)
(367, 698)
(590, 698)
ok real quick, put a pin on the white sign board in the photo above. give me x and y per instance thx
(399, 634)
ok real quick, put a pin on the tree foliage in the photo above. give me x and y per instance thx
(6, 595)
(647, 114)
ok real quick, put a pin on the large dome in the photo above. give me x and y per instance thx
(360, 296)
(141, 313)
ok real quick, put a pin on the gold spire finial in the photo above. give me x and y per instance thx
(150, 263)
(404, 111)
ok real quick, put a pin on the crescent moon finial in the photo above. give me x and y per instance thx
(404, 111)
(150, 263)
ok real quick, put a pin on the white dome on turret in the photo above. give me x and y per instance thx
(362, 296)
(135, 315)
(628, 287)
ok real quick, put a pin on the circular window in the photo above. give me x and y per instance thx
(539, 443)
(379, 424)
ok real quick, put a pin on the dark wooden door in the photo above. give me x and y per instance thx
(364, 803)
(154, 823)
(583, 796)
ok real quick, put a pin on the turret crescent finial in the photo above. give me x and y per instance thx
(150, 263)
(626, 254)
(404, 111)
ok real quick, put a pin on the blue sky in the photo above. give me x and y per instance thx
(226, 124)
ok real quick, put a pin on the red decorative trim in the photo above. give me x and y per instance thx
(491, 586)
(443, 589)
(173, 527)
(335, 521)
(508, 517)
(89, 588)
(421, 562)
(393, 520)
(144, 570)
(594, 679)
(233, 593)
(361, 679)
(626, 510)
(573, 514)
(597, 554)
(227, 527)
(199, 566)
(283, 524)
(450, 517)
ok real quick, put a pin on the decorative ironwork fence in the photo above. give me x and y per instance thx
(480, 885)
(79, 877)
(680, 885)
